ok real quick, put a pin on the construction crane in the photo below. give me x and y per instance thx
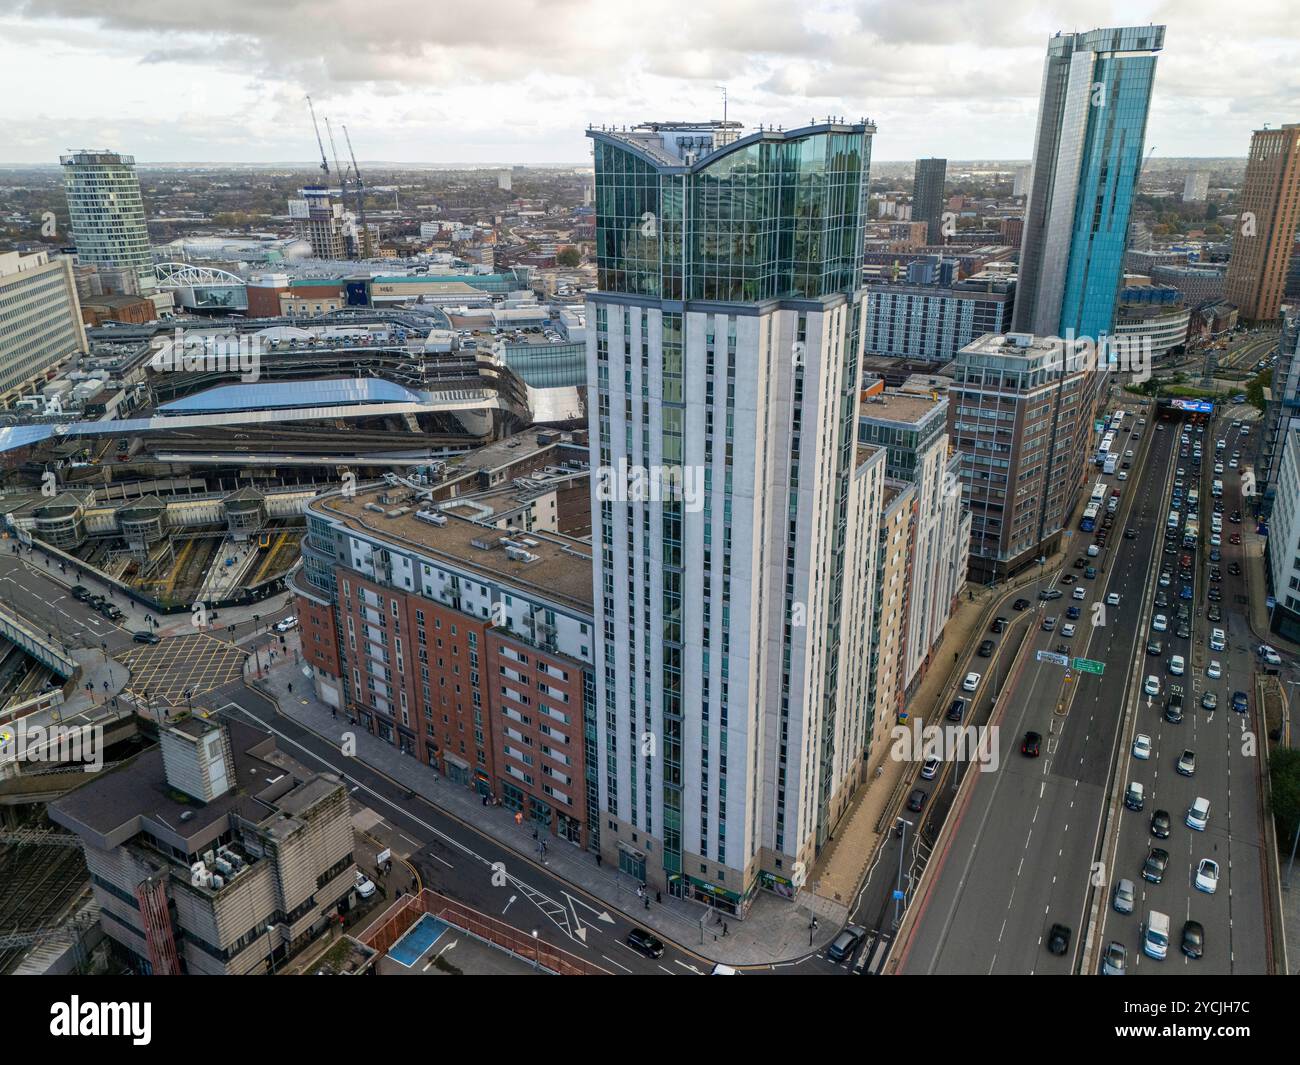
(338, 170)
(358, 185)
(325, 167)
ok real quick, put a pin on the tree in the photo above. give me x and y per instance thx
(1284, 776)
(569, 257)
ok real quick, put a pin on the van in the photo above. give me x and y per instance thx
(1155, 935)
(1198, 814)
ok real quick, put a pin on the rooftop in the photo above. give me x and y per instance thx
(899, 407)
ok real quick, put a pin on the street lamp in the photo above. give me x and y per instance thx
(903, 825)
(537, 949)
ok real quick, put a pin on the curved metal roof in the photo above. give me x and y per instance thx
(274, 394)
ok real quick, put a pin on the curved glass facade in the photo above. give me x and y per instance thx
(773, 218)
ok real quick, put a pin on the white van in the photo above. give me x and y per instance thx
(1155, 935)
(1198, 814)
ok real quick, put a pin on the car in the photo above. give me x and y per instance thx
(1114, 962)
(1155, 647)
(1240, 703)
(1072, 613)
(1020, 604)
(111, 612)
(1070, 579)
(1215, 594)
(651, 946)
(1048, 594)
(1134, 796)
(1112, 599)
(1162, 600)
(1187, 764)
(1152, 685)
(286, 624)
(1269, 655)
(1049, 624)
(1091, 573)
(1174, 710)
(1157, 861)
(1123, 474)
(1130, 534)
(144, 636)
(985, 649)
(971, 682)
(929, 769)
(1216, 540)
(1198, 814)
(916, 801)
(1193, 944)
(1181, 472)
(1207, 876)
(1182, 631)
(365, 887)
(1214, 613)
(80, 592)
(1160, 824)
(1165, 579)
(1176, 665)
(1218, 639)
(1124, 897)
(1079, 563)
(1031, 744)
(1185, 592)
(1093, 551)
(1160, 623)
(1210, 701)
(1234, 568)
(1235, 538)
(956, 710)
(1067, 630)
(1235, 517)
(1058, 939)
(1142, 746)
(1214, 670)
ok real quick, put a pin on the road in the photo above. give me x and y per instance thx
(1021, 857)
(1227, 763)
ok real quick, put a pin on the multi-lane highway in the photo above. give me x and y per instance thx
(1021, 853)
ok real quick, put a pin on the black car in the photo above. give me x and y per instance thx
(1215, 594)
(844, 944)
(1058, 939)
(916, 801)
(999, 624)
(1193, 939)
(1130, 534)
(1162, 598)
(644, 943)
(80, 593)
(1214, 614)
(1031, 744)
(1079, 563)
(986, 649)
(1160, 824)
(957, 710)
(1183, 632)
(144, 637)
(1020, 604)
(1154, 647)
(1153, 869)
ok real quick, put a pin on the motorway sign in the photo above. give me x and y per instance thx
(1052, 656)
(1089, 665)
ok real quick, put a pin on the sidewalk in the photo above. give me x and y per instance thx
(773, 931)
(1252, 548)
(842, 865)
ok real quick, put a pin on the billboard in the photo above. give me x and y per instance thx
(1195, 406)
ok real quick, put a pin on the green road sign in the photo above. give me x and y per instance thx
(1089, 665)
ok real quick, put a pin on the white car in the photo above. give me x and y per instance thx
(1112, 599)
(1214, 670)
(1079, 593)
(971, 682)
(1207, 876)
(1142, 746)
(285, 624)
(1067, 630)
(1216, 540)
(1152, 685)
(1176, 665)
(1160, 623)
(1218, 640)
(1232, 465)
(365, 886)
(1269, 655)
(1122, 475)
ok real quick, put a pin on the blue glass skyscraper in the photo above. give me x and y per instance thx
(1088, 154)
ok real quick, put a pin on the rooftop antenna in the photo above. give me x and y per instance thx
(325, 167)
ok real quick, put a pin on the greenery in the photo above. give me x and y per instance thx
(1255, 390)
(569, 257)
(1284, 777)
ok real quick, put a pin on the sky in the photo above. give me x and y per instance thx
(518, 81)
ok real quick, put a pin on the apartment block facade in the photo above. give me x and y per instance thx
(934, 322)
(1267, 218)
(40, 321)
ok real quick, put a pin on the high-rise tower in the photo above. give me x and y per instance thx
(927, 196)
(1267, 216)
(107, 215)
(1088, 154)
(734, 513)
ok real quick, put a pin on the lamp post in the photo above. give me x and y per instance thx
(537, 949)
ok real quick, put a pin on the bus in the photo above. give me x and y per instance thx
(1117, 421)
(1089, 521)
(1098, 492)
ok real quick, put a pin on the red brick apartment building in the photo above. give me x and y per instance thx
(461, 632)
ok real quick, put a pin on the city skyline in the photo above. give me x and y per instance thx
(953, 81)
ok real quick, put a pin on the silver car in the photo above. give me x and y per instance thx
(1125, 896)
(1115, 961)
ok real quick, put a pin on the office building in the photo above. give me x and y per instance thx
(927, 197)
(1155, 318)
(934, 321)
(40, 320)
(1267, 217)
(213, 853)
(1201, 283)
(732, 611)
(460, 631)
(1282, 549)
(1022, 181)
(1020, 412)
(108, 221)
(1282, 410)
(1088, 154)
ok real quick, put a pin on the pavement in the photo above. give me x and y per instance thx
(774, 932)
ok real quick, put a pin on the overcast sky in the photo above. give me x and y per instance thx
(517, 81)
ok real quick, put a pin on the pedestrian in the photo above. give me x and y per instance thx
(598, 859)
(647, 902)
(724, 928)
(638, 891)
(658, 897)
(334, 711)
(291, 686)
